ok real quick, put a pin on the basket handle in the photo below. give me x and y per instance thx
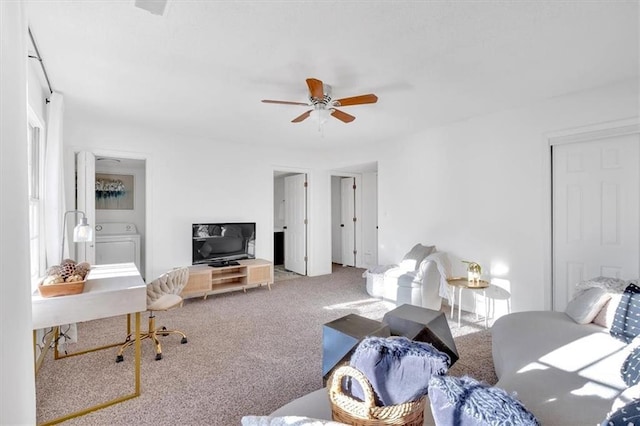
(347, 370)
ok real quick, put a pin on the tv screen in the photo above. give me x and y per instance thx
(217, 242)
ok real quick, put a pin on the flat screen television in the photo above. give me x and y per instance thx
(218, 244)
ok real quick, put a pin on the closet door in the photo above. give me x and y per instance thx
(596, 214)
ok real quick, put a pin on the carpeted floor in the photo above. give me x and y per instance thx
(248, 353)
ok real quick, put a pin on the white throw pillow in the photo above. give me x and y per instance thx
(585, 305)
(412, 260)
(604, 318)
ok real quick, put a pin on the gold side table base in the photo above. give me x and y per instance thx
(136, 392)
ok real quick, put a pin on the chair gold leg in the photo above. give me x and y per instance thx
(151, 334)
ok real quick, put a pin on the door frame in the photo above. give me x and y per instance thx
(70, 188)
(572, 135)
(294, 170)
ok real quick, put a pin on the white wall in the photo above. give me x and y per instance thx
(17, 392)
(479, 189)
(369, 217)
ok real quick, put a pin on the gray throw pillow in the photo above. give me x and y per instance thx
(411, 261)
(584, 307)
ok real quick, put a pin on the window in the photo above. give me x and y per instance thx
(36, 203)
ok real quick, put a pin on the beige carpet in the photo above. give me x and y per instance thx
(247, 354)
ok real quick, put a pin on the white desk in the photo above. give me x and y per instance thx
(110, 290)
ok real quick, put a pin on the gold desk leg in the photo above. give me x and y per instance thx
(135, 393)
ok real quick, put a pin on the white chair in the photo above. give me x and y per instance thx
(418, 280)
(163, 294)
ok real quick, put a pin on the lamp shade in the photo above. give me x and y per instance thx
(82, 232)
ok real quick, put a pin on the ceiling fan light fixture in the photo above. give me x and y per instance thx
(320, 115)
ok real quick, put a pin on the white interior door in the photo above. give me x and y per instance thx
(86, 201)
(295, 229)
(596, 215)
(348, 224)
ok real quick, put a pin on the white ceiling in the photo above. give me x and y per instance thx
(202, 68)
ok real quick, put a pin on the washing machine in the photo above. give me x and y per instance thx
(117, 242)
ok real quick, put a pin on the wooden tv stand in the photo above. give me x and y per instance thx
(205, 280)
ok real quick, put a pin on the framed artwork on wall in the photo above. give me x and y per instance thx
(114, 192)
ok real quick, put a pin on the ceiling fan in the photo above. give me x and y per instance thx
(323, 105)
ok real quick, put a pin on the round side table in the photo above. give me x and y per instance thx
(460, 284)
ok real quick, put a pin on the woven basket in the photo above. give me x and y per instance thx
(62, 289)
(348, 410)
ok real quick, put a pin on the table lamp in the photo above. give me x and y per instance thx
(83, 232)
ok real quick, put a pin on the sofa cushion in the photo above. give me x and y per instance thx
(465, 401)
(411, 260)
(584, 307)
(628, 415)
(397, 368)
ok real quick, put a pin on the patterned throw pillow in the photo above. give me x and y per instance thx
(626, 322)
(463, 401)
(630, 370)
(628, 415)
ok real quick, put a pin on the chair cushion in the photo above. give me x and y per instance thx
(463, 401)
(166, 301)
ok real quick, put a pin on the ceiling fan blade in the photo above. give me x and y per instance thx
(316, 88)
(342, 116)
(269, 101)
(357, 100)
(302, 117)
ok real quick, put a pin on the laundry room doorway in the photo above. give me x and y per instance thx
(120, 211)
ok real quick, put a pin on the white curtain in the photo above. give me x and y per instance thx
(54, 180)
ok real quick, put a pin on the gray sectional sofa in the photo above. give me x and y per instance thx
(565, 373)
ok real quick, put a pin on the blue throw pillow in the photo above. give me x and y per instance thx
(628, 415)
(463, 401)
(630, 370)
(626, 322)
(397, 368)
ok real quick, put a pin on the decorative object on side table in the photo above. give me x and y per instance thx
(474, 273)
(67, 278)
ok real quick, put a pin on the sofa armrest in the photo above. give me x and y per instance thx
(430, 277)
